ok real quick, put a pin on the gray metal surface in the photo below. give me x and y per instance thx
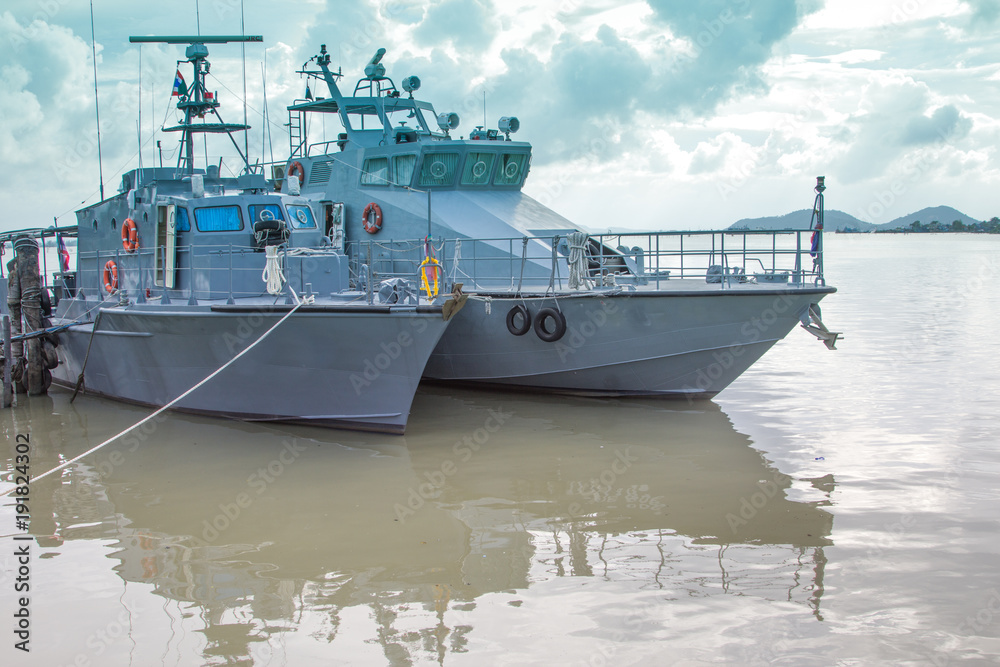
(683, 343)
(350, 369)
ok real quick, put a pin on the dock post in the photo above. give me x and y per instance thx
(8, 389)
(15, 361)
(31, 307)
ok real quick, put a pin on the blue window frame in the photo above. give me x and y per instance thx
(273, 209)
(183, 221)
(301, 217)
(218, 219)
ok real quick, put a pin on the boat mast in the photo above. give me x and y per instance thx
(198, 101)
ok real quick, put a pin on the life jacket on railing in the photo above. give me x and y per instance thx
(430, 270)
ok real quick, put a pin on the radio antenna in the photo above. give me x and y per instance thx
(97, 103)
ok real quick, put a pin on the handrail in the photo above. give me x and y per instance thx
(627, 258)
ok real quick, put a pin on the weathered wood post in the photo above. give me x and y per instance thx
(16, 359)
(8, 390)
(26, 250)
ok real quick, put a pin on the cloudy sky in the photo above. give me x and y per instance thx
(651, 114)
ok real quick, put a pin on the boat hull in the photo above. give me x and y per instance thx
(354, 368)
(681, 343)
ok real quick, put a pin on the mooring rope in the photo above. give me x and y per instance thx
(172, 403)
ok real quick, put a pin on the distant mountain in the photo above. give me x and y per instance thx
(834, 221)
(942, 214)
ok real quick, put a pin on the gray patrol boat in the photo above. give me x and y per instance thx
(552, 307)
(184, 270)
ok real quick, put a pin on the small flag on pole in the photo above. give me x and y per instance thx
(63, 254)
(180, 88)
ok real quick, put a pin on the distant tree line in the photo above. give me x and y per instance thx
(991, 226)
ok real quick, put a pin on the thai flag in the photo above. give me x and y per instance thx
(180, 88)
(63, 255)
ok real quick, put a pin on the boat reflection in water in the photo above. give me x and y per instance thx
(497, 494)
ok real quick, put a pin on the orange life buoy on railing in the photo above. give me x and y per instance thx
(373, 218)
(110, 276)
(295, 167)
(130, 235)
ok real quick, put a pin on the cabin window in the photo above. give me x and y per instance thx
(183, 221)
(273, 209)
(402, 169)
(218, 219)
(376, 171)
(114, 224)
(512, 168)
(301, 217)
(438, 169)
(477, 168)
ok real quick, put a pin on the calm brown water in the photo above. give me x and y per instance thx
(829, 508)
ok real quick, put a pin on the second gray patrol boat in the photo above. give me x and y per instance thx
(553, 308)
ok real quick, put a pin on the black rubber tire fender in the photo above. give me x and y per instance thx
(560, 322)
(512, 314)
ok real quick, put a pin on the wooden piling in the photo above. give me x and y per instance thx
(31, 308)
(8, 389)
(16, 357)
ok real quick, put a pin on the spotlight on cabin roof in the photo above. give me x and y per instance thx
(448, 121)
(411, 84)
(509, 124)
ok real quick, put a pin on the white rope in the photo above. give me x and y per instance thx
(171, 403)
(578, 269)
(455, 261)
(272, 275)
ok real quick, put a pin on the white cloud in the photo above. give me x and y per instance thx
(712, 110)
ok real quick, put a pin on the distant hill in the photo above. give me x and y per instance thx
(834, 220)
(943, 214)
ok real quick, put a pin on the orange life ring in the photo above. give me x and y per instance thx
(295, 167)
(372, 224)
(130, 235)
(110, 276)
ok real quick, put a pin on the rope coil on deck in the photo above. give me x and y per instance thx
(578, 268)
(272, 274)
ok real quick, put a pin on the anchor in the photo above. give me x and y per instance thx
(812, 323)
